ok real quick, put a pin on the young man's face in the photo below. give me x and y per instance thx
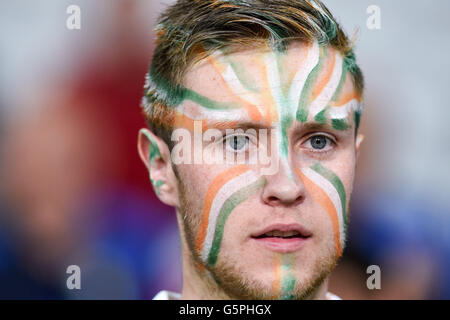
(278, 232)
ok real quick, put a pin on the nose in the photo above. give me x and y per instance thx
(284, 188)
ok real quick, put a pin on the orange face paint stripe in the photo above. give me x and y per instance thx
(276, 286)
(211, 193)
(268, 100)
(252, 110)
(183, 121)
(346, 98)
(322, 198)
(300, 61)
(325, 78)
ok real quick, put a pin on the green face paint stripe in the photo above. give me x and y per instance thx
(175, 95)
(286, 122)
(230, 204)
(302, 114)
(241, 74)
(302, 111)
(205, 102)
(321, 117)
(156, 184)
(284, 81)
(288, 279)
(154, 152)
(166, 91)
(284, 276)
(273, 67)
(341, 83)
(288, 285)
(220, 190)
(327, 90)
(285, 106)
(339, 124)
(337, 184)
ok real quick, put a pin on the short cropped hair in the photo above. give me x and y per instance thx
(190, 30)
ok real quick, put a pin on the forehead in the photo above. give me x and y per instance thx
(262, 84)
(212, 76)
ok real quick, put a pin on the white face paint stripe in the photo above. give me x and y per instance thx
(295, 90)
(235, 85)
(302, 74)
(327, 93)
(238, 89)
(273, 75)
(197, 112)
(342, 112)
(332, 193)
(223, 194)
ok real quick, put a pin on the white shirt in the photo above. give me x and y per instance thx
(168, 295)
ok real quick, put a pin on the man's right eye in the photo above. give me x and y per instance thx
(319, 143)
(237, 142)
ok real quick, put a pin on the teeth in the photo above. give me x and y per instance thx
(291, 233)
(277, 233)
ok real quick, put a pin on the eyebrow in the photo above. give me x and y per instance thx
(298, 126)
(313, 126)
(226, 124)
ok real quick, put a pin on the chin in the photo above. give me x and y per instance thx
(264, 279)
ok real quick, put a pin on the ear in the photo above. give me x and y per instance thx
(155, 154)
(359, 140)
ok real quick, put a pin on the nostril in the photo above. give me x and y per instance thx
(273, 200)
(279, 192)
(298, 200)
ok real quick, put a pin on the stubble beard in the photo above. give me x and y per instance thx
(226, 280)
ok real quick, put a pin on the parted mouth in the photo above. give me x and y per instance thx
(283, 231)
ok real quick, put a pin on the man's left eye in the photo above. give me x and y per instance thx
(319, 142)
(237, 142)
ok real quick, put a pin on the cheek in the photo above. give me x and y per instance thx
(330, 190)
(226, 193)
(344, 168)
(196, 179)
(193, 192)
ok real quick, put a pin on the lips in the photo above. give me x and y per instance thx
(282, 238)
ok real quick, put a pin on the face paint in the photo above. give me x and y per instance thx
(328, 190)
(315, 91)
(275, 94)
(284, 282)
(228, 190)
(312, 91)
(153, 153)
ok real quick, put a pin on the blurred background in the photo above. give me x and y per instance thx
(73, 190)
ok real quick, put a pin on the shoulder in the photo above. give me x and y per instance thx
(331, 296)
(167, 295)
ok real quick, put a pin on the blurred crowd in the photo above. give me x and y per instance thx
(74, 192)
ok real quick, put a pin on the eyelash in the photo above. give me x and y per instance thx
(321, 152)
(318, 152)
(227, 138)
